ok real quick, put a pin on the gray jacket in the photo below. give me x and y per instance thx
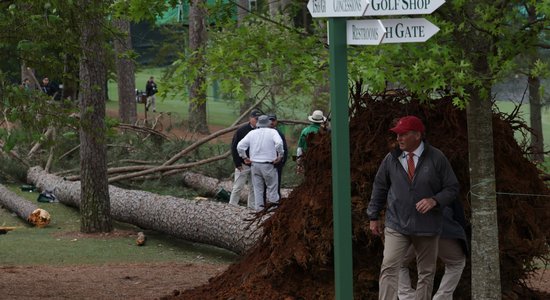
(434, 178)
(455, 224)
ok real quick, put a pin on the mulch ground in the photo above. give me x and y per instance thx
(110, 281)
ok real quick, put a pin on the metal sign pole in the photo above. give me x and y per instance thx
(341, 190)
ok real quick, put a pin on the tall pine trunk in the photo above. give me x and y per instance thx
(197, 91)
(535, 103)
(246, 83)
(125, 67)
(242, 13)
(94, 195)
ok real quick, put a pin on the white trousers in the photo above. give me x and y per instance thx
(151, 102)
(241, 178)
(265, 174)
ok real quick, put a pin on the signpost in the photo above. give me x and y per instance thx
(358, 32)
(337, 8)
(362, 32)
(402, 7)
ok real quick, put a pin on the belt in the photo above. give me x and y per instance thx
(262, 162)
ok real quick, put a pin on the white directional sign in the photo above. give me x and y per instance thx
(365, 32)
(408, 30)
(402, 7)
(337, 8)
(368, 32)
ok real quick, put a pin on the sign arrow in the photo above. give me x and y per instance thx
(402, 7)
(408, 30)
(365, 32)
(337, 8)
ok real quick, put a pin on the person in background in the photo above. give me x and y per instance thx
(150, 91)
(316, 119)
(453, 248)
(26, 85)
(279, 166)
(414, 182)
(48, 88)
(265, 150)
(242, 170)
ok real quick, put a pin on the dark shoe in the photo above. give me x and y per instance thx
(271, 206)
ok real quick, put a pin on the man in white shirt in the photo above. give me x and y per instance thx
(265, 147)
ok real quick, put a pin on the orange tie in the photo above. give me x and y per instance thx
(410, 165)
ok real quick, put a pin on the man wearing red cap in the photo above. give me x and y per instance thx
(413, 183)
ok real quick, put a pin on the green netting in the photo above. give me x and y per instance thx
(174, 15)
(180, 13)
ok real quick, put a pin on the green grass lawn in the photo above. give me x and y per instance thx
(61, 243)
(222, 112)
(219, 111)
(508, 106)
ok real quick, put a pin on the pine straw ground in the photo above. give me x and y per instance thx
(294, 259)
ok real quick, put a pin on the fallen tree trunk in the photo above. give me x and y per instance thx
(25, 209)
(211, 186)
(205, 222)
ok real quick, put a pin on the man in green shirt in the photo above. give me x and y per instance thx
(317, 118)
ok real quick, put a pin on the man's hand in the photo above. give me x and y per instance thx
(277, 160)
(299, 165)
(375, 227)
(247, 161)
(423, 206)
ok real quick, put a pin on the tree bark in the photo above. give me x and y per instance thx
(211, 186)
(321, 92)
(485, 244)
(479, 46)
(535, 105)
(94, 196)
(125, 66)
(197, 91)
(21, 206)
(207, 222)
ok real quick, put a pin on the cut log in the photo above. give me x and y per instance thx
(207, 222)
(211, 186)
(25, 209)
(141, 238)
(4, 230)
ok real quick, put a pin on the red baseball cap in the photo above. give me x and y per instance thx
(408, 123)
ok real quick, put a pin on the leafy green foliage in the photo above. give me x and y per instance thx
(274, 59)
(31, 112)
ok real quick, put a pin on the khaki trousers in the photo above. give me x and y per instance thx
(241, 178)
(452, 255)
(396, 246)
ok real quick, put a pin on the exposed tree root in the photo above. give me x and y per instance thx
(294, 257)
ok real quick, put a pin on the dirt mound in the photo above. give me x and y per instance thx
(294, 259)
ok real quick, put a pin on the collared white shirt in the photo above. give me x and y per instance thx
(417, 152)
(263, 144)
